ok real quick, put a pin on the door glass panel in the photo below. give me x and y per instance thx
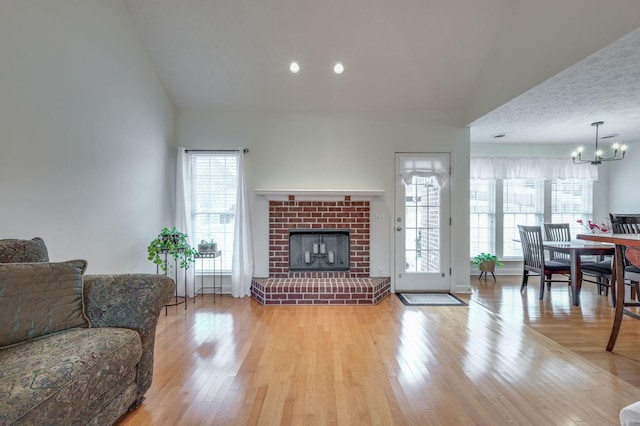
(422, 225)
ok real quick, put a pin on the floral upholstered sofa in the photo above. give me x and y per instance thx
(74, 349)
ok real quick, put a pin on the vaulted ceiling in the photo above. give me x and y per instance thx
(501, 66)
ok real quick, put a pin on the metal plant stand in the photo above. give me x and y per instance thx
(217, 274)
(177, 300)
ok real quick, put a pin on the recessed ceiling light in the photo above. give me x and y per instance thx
(294, 67)
(338, 68)
(499, 135)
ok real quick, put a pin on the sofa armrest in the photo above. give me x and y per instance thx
(131, 301)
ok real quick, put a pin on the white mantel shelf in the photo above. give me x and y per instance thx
(319, 194)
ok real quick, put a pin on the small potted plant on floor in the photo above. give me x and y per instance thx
(486, 262)
(171, 242)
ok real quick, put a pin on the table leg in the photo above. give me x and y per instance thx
(619, 283)
(576, 278)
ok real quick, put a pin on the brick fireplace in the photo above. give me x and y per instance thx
(292, 214)
(352, 286)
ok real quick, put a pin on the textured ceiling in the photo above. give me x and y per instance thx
(443, 56)
(605, 86)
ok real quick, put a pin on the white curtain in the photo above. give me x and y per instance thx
(183, 211)
(530, 168)
(242, 260)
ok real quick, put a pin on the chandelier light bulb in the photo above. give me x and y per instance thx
(338, 68)
(574, 154)
(615, 146)
(580, 149)
(623, 148)
(294, 67)
(599, 153)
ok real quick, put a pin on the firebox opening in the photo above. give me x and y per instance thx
(319, 249)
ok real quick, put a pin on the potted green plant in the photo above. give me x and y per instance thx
(486, 262)
(207, 247)
(171, 242)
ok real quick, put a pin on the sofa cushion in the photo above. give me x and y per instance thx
(20, 251)
(68, 376)
(40, 298)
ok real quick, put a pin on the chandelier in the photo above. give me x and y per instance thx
(598, 154)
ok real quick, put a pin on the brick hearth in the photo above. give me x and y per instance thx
(320, 291)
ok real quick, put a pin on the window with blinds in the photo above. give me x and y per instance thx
(571, 200)
(482, 223)
(523, 204)
(498, 206)
(213, 202)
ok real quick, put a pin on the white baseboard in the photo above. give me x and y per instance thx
(463, 289)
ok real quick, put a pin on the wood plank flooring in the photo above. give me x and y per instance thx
(506, 359)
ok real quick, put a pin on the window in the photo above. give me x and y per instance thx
(213, 202)
(523, 204)
(498, 206)
(571, 199)
(483, 216)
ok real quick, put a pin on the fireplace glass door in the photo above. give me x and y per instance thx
(325, 250)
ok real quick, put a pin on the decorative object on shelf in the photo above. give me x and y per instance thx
(598, 154)
(486, 262)
(207, 247)
(171, 242)
(593, 228)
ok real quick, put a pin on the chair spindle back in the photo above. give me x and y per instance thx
(558, 232)
(625, 223)
(532, 251)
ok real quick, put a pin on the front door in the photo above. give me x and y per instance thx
(422, 222)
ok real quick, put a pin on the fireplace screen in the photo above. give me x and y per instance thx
(319, 250)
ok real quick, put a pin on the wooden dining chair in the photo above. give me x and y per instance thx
(628, 224)
(625, 223)
(599, 273)
(535, 262)
(603, 271)
(558, 232)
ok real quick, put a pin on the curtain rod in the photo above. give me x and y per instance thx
(216, 150)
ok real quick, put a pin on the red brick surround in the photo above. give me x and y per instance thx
(292, 214)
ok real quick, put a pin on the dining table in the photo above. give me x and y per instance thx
(576, 249)
(632, 252)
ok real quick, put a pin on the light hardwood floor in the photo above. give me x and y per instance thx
(505, 359)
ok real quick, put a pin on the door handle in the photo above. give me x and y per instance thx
(399, 228)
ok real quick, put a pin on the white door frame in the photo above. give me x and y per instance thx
(446, 282)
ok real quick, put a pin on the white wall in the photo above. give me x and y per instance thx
(337, 152)
(624, 193)
(86, 159)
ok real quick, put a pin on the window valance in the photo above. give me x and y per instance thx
(530, 168)
(436, 165)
